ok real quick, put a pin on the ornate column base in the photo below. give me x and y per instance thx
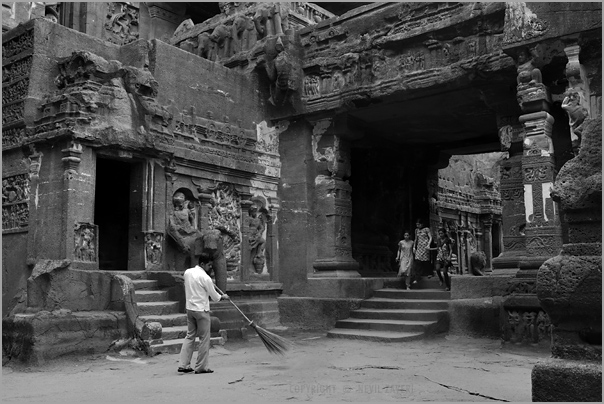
(344, 267)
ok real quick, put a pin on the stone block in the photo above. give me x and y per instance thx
(342, 288)
(36, 338)
(473, 287)
(314, 313)
(476, 318)
(567, 381)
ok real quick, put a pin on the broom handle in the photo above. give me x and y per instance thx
(233, 303)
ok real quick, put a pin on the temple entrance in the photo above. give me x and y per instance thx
(112, 212)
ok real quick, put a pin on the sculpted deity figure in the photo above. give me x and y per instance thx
(181, 224)
(256, 238)
(527, 72)
(576, 115)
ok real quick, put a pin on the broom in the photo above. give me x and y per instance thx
(274, 343)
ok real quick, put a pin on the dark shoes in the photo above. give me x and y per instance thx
(204, 371)
(185, 370)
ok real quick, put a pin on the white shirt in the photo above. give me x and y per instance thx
(198, 289)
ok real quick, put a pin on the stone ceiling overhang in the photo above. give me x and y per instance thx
(413, 73)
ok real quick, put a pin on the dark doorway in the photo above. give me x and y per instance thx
(111, 213)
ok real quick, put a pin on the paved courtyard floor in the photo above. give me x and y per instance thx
(443, 368)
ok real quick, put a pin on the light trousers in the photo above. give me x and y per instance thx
(198, 325)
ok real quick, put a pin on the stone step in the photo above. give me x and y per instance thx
(386, 325)
(157, 308)
(145, 295)
(176, 332)
(399, 314)
(144, 284)
(374, 335)
(166, 320)
(424, 294)
(383, 303)
(173, 346)
(134, 275)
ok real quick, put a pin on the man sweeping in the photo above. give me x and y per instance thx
(199, 288)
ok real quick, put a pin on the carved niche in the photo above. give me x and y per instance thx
(15, 202)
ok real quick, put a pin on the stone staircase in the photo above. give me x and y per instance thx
(154, 306)
(395, 315)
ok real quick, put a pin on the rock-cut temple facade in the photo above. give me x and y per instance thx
(296, 143)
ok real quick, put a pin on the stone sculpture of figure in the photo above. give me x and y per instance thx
(529, 320)
(204, 45)
(514, 322)
(220, 37)
(181, 226)
(210, 243)
(256, 239)
(576, 115)
(527, 72)
(193, 242)
(240, 26)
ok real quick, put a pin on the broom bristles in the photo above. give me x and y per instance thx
(273, 342)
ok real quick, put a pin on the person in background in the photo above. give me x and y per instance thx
(443, 258)
(421, 249)
(404, 257)
(199, 288)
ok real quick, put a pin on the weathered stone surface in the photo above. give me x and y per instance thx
(570, 381)
(36, 338)
(472, 287)
(53, 285)
(579, 182)
(475, 317)
(314, 313)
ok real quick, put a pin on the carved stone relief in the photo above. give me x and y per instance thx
(18, 45)
(521, 24)
(525, 326)
(15, 202)
(86, 242)
(225, 215)
(153, 248)
(121, 24)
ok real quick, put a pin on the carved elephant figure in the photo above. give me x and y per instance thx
(210, 243)
(220, 36)
(204, 45)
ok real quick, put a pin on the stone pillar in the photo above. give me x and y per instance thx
(272, 242)
(543, 230)
(246, 261)
(81, 243)
(513, 244)
(331, 152)
(487, 229)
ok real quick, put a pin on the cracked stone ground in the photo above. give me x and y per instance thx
(443, 368)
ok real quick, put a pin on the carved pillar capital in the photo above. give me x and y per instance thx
(72, 156)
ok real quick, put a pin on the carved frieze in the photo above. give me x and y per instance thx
(12, 137)
(16, 70)
(13, 113)
(17, 45)
(121, 23)
(86, 242)
(526, 326)
(15, 91)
